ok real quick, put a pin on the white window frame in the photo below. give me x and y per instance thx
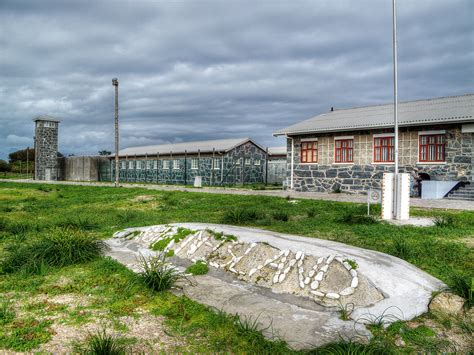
(49, 124)
(194, 163)
(123, 165)
(217, 164)
(248, 162)
(166, 164)
(147, 164)
(176, 164)
(155, 164)
(130, 164)
(257, 162)
(138, 165)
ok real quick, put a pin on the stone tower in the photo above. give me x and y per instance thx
(46, 148)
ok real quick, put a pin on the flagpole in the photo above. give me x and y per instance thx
(395, 107)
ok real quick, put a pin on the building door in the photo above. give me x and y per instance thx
(47, 174)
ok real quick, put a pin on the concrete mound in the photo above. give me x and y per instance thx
(300, 284)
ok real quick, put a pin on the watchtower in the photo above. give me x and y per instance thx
(46, 148)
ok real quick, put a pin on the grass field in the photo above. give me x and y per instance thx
(99, 291)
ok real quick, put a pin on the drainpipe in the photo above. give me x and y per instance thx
(292, 161)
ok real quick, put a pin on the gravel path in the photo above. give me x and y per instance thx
(341, 197)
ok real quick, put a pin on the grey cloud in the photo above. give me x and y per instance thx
(210, 69)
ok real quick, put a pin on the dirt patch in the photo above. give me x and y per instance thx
(143, 198)
(147, 330)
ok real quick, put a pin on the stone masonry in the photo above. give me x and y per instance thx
(46, 148)
(364, 174)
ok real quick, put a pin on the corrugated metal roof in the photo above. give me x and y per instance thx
(277, 150)
(220, 145)
(411, 113)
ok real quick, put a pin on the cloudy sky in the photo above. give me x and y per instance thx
(201, 69)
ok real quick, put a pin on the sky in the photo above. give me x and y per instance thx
(197, 70)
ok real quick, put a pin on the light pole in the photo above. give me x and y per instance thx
(115, 83)
(395, 111)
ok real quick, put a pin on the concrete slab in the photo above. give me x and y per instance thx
(413, 221)
(301, 322)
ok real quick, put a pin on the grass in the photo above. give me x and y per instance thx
(102, 343)
(198, 268)
(157, 274)
(30, 213)
(6, 313)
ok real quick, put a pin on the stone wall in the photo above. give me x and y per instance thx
(229, 168)
(46, 150)
(363, 173)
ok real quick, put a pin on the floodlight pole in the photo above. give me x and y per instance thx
(395, 109)
(115, 83)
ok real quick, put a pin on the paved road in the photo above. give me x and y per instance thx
(342, 197)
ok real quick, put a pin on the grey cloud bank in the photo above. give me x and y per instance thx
(194, 70)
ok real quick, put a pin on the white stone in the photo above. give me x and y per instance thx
(330, 259)
(209, 244)
(283, 260)
(287, 270)
(332, 295)
(268, 261)
(282, 252)
(286, 253)
(252, 271)
(353, 273)
(298, 255)
(314, 285)
(259, 267)
(319, 276)
(346, 265)
(347, 291)
(293, 262)
(317, 293)
(170, 244)
(311, 273)
(281, 266)
(338, 258)
(301, 284)
(301, 277)
(281, 278)
(274, 265)
(275, 278)
(355, 282)
(300, 263)
(248, 251)
(320, 260)
(325, 268)
(253, 245)
(315, 267)
(307, 280)
(300, 270)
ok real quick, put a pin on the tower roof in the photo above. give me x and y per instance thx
(46, 118)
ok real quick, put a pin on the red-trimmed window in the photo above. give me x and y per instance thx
(344, 150)
(309, 152)
(432, 147)
(384, 150)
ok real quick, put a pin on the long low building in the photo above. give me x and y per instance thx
(217, 162)
(350, 149)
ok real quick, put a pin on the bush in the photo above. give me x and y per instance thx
(281, 216)
(102, 343)
(462, 285)
(242, 215)
(157, 274)
(58, 248)
(444, 221)
(198, 268)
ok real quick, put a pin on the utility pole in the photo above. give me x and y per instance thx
(395, 110)
(116, 84)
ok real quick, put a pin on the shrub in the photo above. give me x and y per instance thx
(157, 274)
(198, 268)
(58, 248)
(242, 215)
(444, 221)
(353, 217)
(102, 343)
(281, 216)
(311, 212)
(462, 285)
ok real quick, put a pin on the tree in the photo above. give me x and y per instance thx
(105, 152)
(4, 166)
(20, 155)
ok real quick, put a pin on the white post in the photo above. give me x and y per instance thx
(292, 162)
(387, 196)
(395, 109)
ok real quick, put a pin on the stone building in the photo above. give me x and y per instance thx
(350, 149)
(46, 148)
(217, 162)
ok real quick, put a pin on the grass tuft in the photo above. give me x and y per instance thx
(445, 221)
(58, 248)
(242, 215)
(6, 313)
(281, 216)
(198, 268)
(102, 343)
(462, 285)
(157, 274)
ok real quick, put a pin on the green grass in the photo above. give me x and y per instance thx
(198, 268)
(31, 213)
(157, 274)
(102, 343)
